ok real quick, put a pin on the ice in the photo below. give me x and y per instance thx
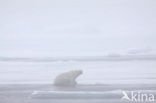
(94, 72)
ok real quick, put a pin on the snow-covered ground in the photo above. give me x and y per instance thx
(94, 72)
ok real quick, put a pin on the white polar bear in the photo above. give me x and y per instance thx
(67, 78)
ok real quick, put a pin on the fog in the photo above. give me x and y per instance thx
(76, 27)
(77, 51)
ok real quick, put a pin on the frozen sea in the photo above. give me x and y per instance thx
(103, 80)
(25, 71)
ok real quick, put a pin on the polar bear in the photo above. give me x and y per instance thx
(67, 78)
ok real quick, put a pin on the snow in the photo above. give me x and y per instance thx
(94, 72)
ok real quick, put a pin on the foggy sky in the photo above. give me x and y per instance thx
(76, 27)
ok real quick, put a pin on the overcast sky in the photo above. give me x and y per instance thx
(76, 27)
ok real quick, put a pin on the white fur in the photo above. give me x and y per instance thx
(67, 78)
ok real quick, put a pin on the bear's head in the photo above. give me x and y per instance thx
(76, 73)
